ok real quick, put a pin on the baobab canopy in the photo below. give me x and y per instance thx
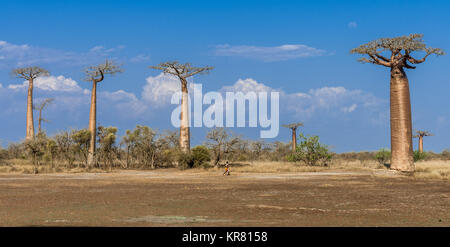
(407, 44)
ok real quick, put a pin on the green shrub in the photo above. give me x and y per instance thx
(199, 157)
(418, 156)
(383, 156)
(311, 151)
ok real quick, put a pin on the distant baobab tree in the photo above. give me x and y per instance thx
(96, 74)
(183, 71)
(420, 134)
(30, 73)
(399, 57)
(293, 127)
(40, 107)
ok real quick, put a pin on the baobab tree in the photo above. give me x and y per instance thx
(182, 72)
(40, 108)
(96, 74)
(293, 127)
(30, 73)
(420, 134)
(398, 58)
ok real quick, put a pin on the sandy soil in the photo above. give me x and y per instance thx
(197, 198)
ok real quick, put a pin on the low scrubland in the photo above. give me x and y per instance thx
(144, 148)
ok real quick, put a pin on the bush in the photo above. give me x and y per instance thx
(418, 156)
(383, 156)
(311, 151)
(199, 157)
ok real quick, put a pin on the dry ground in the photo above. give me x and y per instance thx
(169, 197)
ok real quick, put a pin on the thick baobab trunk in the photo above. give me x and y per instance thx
(30, 122)
(294, 140)
(184, 125)
(93, 125)
(420, 144)
(401, 126)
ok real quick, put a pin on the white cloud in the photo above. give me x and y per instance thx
(140, 58)
(349, 108)
(269, 54)
(51, 83)
(352, 24)
(125, 102)
(159, 89)
(247, 85)
(24, 55)
(330, 98)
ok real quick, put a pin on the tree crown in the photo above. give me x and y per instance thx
(293, 126)
(422, 133)
(182, 71)
(400, 49)
(97, 73)
(30, 72)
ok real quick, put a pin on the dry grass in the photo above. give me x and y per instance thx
(434, 169)
(20, 166)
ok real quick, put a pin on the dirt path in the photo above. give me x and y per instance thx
(197, 198)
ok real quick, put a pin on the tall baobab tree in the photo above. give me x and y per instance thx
(420, 134)
(30, 73)
(293, 127)
(40, 107)
(96, 74)
(182, 72)
(398, 57)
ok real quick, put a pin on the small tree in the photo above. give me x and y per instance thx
(107, 139)
(420, 134)
(293, 127)
(40, 108)
(81, 139)
(311, 151)
(65, 146)
(36, 149)
(51, 151)
(221, 143)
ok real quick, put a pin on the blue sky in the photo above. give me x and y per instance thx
(345, 102)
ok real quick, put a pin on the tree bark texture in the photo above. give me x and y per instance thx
(401, 124)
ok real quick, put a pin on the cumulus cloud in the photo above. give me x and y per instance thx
(125, 102)
(246, 85)
(269, 54)
(51, 83)
(330, 98)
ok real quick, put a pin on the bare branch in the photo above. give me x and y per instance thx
(30, 72)
(410, 43)
(97, 73)
(181, 70)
